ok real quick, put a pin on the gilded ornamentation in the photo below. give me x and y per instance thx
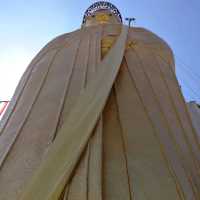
(102, 18)
(108, 42)
(130, 45)
(102, 6)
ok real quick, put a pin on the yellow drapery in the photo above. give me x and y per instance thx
(63, 155)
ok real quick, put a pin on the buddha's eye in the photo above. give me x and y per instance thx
(93, 16)
(110, 14)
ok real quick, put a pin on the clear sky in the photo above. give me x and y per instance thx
(26, 26)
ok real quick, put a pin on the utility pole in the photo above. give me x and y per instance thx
(130, 20)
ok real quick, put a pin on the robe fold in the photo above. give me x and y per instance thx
(121, 89)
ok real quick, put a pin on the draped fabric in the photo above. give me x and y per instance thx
(194, 110)
(143, 144)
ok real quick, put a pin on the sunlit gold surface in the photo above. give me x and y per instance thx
(103, 17)
(106, 44)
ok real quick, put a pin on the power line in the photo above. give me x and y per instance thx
(186, 83)
(186, 66)
(188, 72)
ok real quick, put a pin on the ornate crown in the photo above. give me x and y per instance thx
(102, 5)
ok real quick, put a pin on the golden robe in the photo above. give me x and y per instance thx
(142, 147)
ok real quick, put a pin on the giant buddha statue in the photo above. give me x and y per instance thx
(99, 115)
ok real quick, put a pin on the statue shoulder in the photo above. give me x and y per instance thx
(56, 43)
(151, 41)
(61, 40)
(147, 37)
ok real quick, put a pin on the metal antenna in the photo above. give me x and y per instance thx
(130, 20)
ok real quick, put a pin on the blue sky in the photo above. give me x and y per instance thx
(26, 26)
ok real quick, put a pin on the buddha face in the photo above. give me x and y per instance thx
(101, 17)
(102, 12)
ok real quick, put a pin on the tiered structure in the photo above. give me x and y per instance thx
(99, 115)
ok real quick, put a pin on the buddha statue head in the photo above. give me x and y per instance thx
(102, 12)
